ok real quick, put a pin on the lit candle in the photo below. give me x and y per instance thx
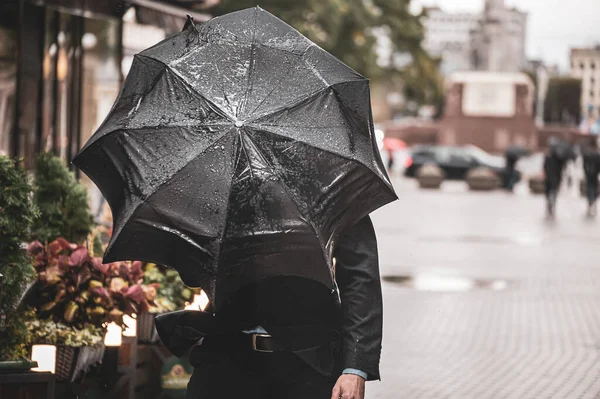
(130, 326)
(113, 335)
(45, 355)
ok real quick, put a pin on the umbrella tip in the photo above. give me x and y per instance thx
(189, 23)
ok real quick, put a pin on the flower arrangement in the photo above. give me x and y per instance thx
(166, 288)
(50, 332)
(77, 290)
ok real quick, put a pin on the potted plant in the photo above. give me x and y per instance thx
(77, 350)
(17, 213)
(74, 289)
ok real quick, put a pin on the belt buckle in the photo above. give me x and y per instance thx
(254, 337)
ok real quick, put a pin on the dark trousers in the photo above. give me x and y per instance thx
(244, 373)
(551, 191)
(591, 189)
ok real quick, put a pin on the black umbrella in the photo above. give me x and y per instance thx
(237, 150)
(517, 151)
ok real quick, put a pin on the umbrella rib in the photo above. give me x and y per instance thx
(220, 86)
(289, 193)
(308, 220)
(298, 103)
(279, 83)
(154, 83)
(317, 73)
(143, 200)
(288, 107)
(234, 169)
(181, 80)
(248, 80)
(327, 150)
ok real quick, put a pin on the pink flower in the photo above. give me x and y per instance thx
(102, 268)
(136, 272)
(150, 292)
(34, 248)
(135, 293)
(117, 284)
(101, 292)
(78, 257)
(59, 245)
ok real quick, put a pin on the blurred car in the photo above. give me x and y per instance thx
(454, 161)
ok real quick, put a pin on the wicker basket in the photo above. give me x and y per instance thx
(71, 363)
(146, 329)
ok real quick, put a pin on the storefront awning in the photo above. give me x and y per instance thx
(166, 16)
(149, 12)
(112, 8)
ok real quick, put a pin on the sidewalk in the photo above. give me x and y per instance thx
(538, 338)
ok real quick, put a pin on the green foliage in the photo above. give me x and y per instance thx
(15, 339)
(62, 201)
(563, 101)
(17, 213)
(171, 293)
(347, 29)
(45, 331)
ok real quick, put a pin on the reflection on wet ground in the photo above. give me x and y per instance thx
(438, 283)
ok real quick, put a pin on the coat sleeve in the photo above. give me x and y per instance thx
(357, 278)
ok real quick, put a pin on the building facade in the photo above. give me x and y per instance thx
(62, 66)
(498, 41)
(491, 110)
(585, 65)
(448, 36)
(493, 40)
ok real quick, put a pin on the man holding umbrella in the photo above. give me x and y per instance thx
(512, 156)
(244, 156)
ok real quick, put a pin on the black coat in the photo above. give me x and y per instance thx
(591, 163)
(301, 313)
(554, 165)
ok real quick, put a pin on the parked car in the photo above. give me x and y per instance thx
(454, 161)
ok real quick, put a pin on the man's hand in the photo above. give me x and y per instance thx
(349, 386)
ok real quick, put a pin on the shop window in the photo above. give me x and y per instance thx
(8, 74)
(100, 83)
(61, 76)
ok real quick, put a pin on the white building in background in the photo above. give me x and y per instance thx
(585, 65)
(498, 42)
(493, 40)
(449, 36)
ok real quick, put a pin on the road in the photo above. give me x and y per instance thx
(529, 327)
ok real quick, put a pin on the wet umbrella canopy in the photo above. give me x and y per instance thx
(517, 151)
(237, 150)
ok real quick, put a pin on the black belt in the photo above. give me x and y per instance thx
(254, 342)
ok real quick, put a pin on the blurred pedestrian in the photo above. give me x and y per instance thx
(390, 163)
(555, 160)
(591, 169)
(512, 156)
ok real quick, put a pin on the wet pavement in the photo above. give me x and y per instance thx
(485, 298)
